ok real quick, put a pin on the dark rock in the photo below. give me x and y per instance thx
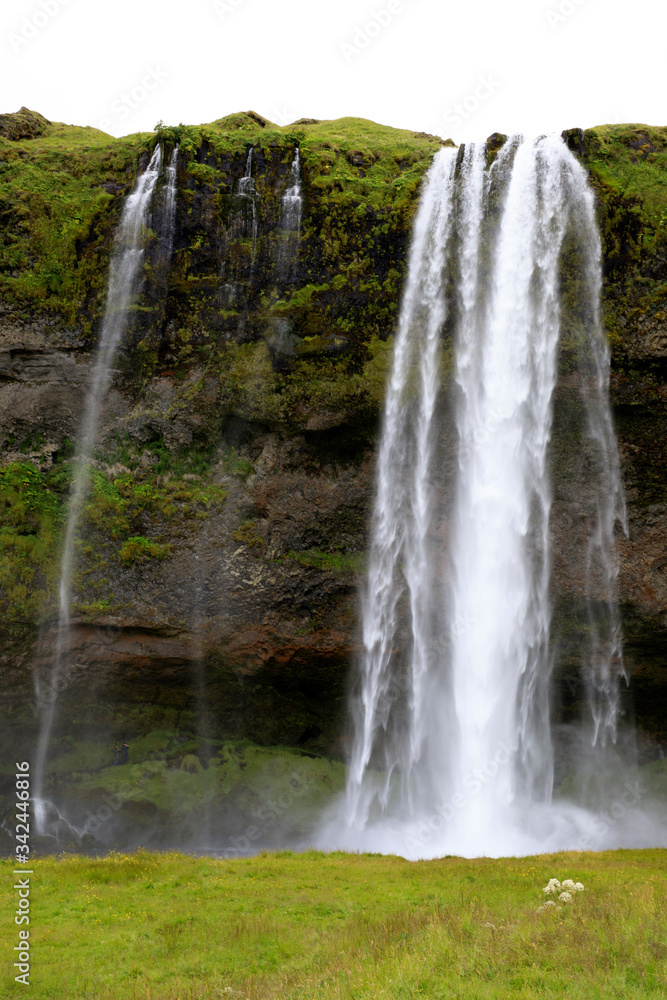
(257, 118)
(496, 141)
(574, 140)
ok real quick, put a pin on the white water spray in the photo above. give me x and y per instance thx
(169, 210)
(124, 283)
(248, 190)
(290, 203)
(452, 749)
(290, 220)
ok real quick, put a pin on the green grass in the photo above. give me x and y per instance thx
(288, 926)
(629, 171)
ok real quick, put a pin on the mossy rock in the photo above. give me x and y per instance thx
(191, 763)
(25, 124)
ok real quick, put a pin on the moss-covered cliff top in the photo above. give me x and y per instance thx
(632, 160)
(61, 187)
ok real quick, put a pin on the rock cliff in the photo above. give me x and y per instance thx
(225, 532)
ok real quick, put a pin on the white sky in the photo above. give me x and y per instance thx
(522, 65)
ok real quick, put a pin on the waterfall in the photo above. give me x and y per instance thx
(290, 203)
(124, 284)
(400, 555)
(169, 209)
(451, 748)
(238, 266)
(290, 221)
(248, 190)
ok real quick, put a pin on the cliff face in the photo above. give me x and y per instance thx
(226, 529)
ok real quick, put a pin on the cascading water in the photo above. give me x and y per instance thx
(400, 553)
(506, 371)
(290, 203)
(452, 750)
(169, 208)
(248, 190)
(290, 220)
(238, 260)
(124, 283)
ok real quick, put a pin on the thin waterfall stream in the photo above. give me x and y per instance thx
(452, 749)
(125, 274)
(291, 204)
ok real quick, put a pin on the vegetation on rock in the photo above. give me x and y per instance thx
(240, 390)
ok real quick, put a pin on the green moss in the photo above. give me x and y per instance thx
(631, 160)
(31, 515)
(115, 505)
(57, 214)
(234, 465)
(33, 508)
(246, 535)
(170, 775)
(139, 549)
(338, 562)
(316, 382)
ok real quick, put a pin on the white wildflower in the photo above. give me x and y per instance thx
(565, 897)
(568, 884)
(579, 887)
(545, 906)
(553, 886)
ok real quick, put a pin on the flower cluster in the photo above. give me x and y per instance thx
(563, 890)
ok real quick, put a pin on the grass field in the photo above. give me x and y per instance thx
(311, 925)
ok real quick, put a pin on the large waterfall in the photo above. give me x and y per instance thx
(452, 749)
(124, 283)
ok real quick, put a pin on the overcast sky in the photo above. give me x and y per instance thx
(459, 69)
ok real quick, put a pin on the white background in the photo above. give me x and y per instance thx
(527, 65)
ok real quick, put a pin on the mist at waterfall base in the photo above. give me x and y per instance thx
(453, 749)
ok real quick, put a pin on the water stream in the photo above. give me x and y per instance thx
(125, 274)
(291, 204)
(452, 750)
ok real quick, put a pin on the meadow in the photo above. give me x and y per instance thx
(168, 926)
